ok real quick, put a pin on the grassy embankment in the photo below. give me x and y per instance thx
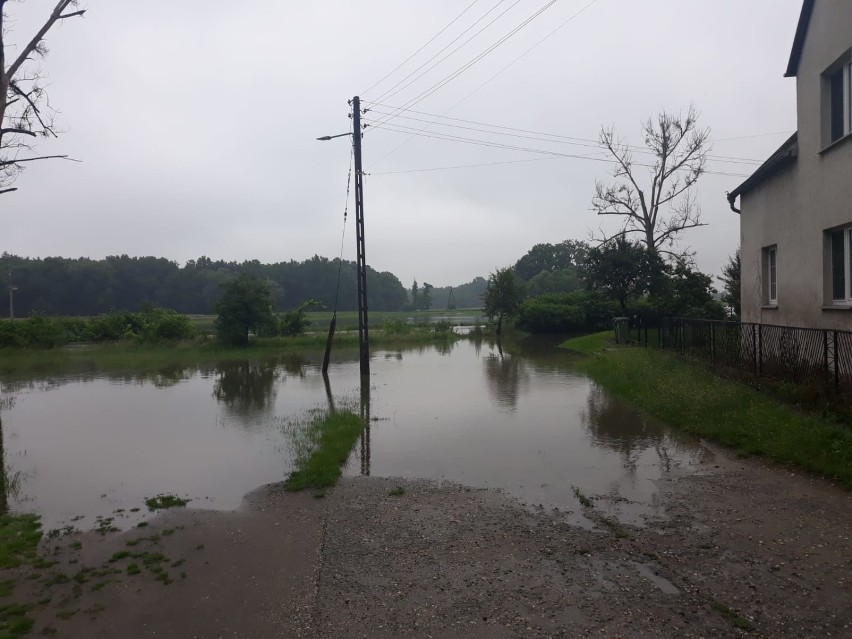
(19, 537)
(692, 398)
(322, 441)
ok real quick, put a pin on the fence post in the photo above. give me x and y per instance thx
(754, 346)
(713, 341)
(760, 350)
(646, 333)
(836, 363)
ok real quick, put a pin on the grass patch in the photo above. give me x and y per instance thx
(19, 537)
(399, 491)
(589, 344)
(734, 618)
(162, 502)
(727, 411)
(585, 502)
(14, 621)
(322, 442)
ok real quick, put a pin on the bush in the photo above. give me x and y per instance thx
(579, 311)
(396, 326)
(442, 327)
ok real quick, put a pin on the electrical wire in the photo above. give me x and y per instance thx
(431, 40)
(463, 166)
(756, 135)
(452, 138)
(391, 92)
(455, 74)
(343, 235)
(548, 137)
(558, 28)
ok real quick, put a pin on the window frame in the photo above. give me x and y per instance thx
(846, 300)
(770, 274)
(841, 70)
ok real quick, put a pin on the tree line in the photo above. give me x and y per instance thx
(84, 287)
(574, 287)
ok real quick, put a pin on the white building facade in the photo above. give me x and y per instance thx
(796, 210)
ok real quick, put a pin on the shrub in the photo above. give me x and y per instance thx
(574, 312)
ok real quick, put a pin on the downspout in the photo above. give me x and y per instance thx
(731, 200)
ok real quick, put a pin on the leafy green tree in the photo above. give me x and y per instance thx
(550, 258)
(426, 296)
(621, 269)
(573, 312)
(731, 278)
(687, 292)
(296, 322)
(415, 296)
(245, 306)
(503, 296)
(560, 281)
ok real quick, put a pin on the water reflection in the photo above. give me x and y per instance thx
(507, 377)
(247, 388)
(366, 415)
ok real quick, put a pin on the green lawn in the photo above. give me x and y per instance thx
(694, 399)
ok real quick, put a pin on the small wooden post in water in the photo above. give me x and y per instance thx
(331, 328)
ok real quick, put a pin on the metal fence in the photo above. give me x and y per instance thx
(787, 353)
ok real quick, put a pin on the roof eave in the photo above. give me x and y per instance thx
(786, 153)
(799, 40)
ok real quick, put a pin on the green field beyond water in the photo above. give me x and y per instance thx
(348, 320)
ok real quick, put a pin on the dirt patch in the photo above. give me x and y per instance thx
(187, 573)
(744, 550)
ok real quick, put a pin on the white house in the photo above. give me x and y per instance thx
(796, 209)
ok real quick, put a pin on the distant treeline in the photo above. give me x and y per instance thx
(82, 286)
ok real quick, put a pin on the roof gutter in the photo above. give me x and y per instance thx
(731, 200)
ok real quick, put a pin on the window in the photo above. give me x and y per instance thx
(770, 275)
(839, 82)
(841, 262)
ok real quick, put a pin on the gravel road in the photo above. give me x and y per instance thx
(744, 549)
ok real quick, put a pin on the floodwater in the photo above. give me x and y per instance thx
(84, 445)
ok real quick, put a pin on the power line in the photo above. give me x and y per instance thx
(431, 40)
(390, 92)
(446, 80)
(464, 166)
(546, 137)
(556, 154)
(756, 135)
(563, 24)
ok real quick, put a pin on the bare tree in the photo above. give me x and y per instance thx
(25, 112)
(676, 158)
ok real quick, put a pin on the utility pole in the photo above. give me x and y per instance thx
(363, 332)
(361, 270)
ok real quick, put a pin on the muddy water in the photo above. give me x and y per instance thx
(83, 445)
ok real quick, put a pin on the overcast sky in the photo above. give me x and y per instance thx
(196, 122)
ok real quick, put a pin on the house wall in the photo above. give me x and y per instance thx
(795, 207)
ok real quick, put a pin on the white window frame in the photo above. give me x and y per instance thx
(770, 277)
(846, 300)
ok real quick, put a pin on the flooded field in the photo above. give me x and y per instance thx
(84, 445)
